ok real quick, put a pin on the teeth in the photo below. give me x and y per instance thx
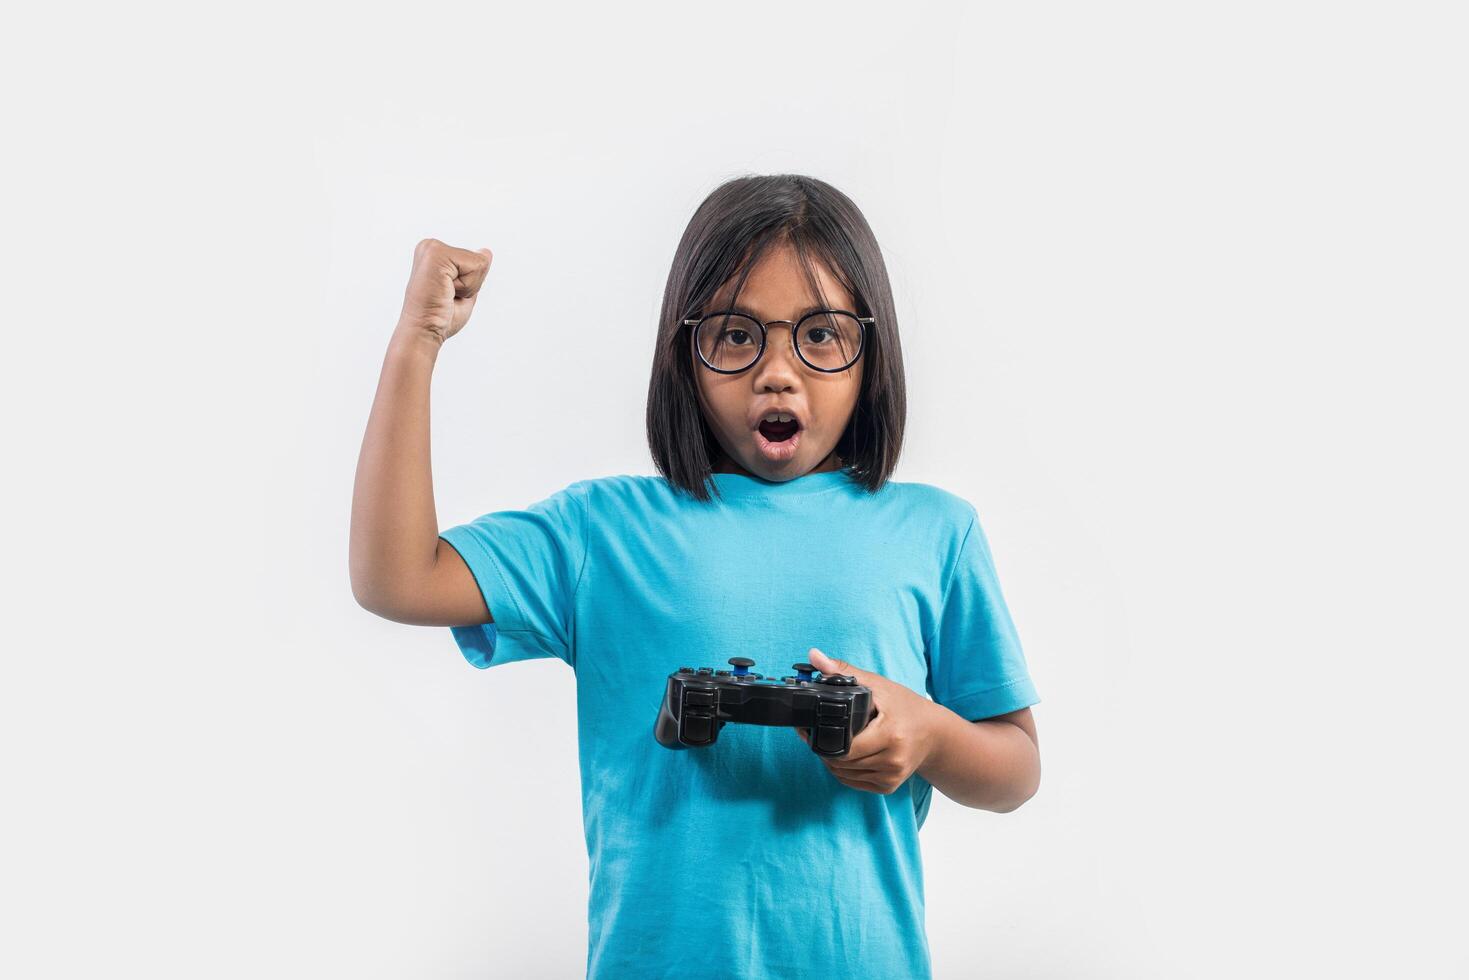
(779, 417)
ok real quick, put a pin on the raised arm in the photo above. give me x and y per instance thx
(400, 568)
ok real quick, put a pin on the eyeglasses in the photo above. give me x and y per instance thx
(825, 340)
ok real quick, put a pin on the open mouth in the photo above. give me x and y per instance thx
(779, 431)
(778, 441)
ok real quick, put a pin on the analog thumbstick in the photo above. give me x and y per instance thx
(804, 671)
(742, 665)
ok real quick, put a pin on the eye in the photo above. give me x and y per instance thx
(734, 336)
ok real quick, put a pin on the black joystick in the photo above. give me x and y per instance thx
(697, 703)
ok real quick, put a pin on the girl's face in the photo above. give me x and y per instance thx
(822, 402)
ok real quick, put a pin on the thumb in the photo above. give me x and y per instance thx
(831, 665)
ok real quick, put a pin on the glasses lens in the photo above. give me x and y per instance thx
(830, 341)
(729, 341)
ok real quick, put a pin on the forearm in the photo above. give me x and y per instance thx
(394, 534)
(988, 765)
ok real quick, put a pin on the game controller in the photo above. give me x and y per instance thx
(697, 703)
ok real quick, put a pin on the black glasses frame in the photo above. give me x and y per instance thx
(863, 322)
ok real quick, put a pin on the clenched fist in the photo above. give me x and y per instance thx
(442, 288)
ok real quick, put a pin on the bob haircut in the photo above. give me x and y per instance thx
(729, 232)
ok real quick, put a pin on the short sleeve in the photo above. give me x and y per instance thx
(976, 667)
(528, 564)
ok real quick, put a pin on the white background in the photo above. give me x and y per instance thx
(1182, 293)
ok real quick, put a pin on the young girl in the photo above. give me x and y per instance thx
(775, 417)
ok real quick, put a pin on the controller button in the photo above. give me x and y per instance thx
(698, 728)
(686, 670)
(830, 709)
(830, 738)
(698, 697)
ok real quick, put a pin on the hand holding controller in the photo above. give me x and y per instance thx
(697, 703)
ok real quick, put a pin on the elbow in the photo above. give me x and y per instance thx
(1019, 801)
(364, 590)
(366, 599)
(374, 591)
(1012, 807)
(371, 596)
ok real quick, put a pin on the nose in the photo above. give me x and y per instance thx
(778, 365)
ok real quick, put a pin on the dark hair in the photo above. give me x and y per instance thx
(729, 232)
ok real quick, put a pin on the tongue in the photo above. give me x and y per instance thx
(778, 431)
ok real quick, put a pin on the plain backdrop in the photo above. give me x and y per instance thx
(1182, 295)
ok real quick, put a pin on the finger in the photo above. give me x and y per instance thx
(854, 772)
(866, 755)
(837, 763)
(854, 763)
(470, 269)
(805, 737)
(876, 683)
(831, 665)
(851, 763)
(863, 784)
(866, 744)
(870, 741)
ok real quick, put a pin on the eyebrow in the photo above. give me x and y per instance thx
(809, 309)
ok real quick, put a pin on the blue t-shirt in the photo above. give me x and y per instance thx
(746, 858)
